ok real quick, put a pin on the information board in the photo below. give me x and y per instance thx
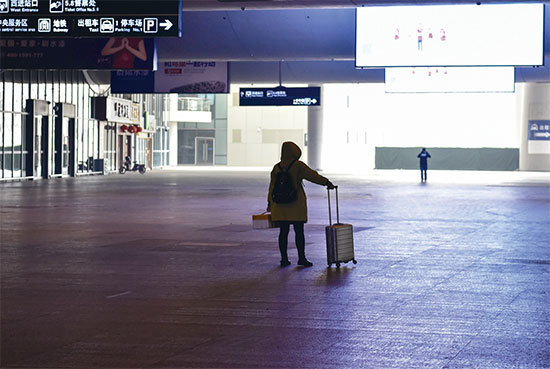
(280, 96)
(90, 18)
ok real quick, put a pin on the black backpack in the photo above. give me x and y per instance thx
(284, 191)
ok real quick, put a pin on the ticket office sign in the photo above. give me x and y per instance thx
(90, 18)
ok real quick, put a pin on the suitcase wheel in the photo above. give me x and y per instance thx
(354, 261)
(337, 265)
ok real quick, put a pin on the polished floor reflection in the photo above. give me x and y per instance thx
(164, 270)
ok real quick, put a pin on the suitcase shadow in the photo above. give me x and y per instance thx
(335, 276)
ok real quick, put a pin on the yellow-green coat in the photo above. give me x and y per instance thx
(295, 211)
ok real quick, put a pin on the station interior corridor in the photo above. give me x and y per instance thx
(165, 270)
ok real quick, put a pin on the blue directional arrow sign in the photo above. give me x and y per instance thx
(539, 130)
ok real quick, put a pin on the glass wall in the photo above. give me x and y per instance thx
(161, 148)
(203, 143)
(52, 86)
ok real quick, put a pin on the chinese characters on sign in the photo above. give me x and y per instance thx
(90, 18)
(175, 76)
(68, 53)
(280, 96)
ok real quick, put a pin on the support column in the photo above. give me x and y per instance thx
(173, 144)
(315, 135)
(534, 155)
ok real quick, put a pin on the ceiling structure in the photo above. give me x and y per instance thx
(314, 41)
(190, 5)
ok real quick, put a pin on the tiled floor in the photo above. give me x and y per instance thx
(164, 271)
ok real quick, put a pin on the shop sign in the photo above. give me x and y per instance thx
(136, 113)
(113, 109)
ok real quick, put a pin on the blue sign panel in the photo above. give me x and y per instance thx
(280, 96)
(539, 130)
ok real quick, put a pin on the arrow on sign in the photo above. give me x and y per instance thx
(540, 134)
(166, 24)
(314, 101)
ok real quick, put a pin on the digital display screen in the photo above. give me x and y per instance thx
(449, 79)
(280, 96)
(90, 18)
(450, 35)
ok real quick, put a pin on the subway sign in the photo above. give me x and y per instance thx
(280, 96)
(90, 18)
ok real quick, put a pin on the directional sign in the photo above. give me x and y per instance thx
(90, 18)
(280, 96)
(539, 130)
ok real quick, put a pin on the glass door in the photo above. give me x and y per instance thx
(204, 151)
(38, 150)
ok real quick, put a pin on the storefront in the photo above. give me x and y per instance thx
(122, 133)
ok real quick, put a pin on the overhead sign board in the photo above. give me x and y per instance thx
(90, 18)
(280, 96)
(174, 76)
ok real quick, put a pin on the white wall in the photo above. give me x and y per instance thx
(410, 120)
(262, 130)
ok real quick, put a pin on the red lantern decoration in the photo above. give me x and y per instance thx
(139, 129)
(132, 129)
(124, 128)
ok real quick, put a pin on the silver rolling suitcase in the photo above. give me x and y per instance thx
(339, 238)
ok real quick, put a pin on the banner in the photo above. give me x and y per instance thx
(104, 53)
(175, 77)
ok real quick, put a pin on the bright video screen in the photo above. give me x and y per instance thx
(450, 35)
(449, 79)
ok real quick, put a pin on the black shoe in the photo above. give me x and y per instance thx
(284, 263)
(305, 263)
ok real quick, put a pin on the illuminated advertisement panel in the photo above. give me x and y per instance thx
(450, 35)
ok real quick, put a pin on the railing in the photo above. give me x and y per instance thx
(193, 104)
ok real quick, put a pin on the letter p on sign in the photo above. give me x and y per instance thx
(150, 25)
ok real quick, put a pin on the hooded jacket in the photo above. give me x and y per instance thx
(297, 210)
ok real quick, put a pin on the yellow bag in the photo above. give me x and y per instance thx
(262, 221)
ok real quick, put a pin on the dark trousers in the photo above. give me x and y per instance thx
(423, 174)
(284, 227)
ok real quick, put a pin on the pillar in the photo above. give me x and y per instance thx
(173, 132)
(534, 155)
(315, 135)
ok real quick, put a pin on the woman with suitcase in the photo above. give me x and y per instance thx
(286, 199)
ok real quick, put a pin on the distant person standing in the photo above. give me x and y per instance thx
(424, 155)
(287, 199)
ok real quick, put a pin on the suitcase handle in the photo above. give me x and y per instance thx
(337, 208)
